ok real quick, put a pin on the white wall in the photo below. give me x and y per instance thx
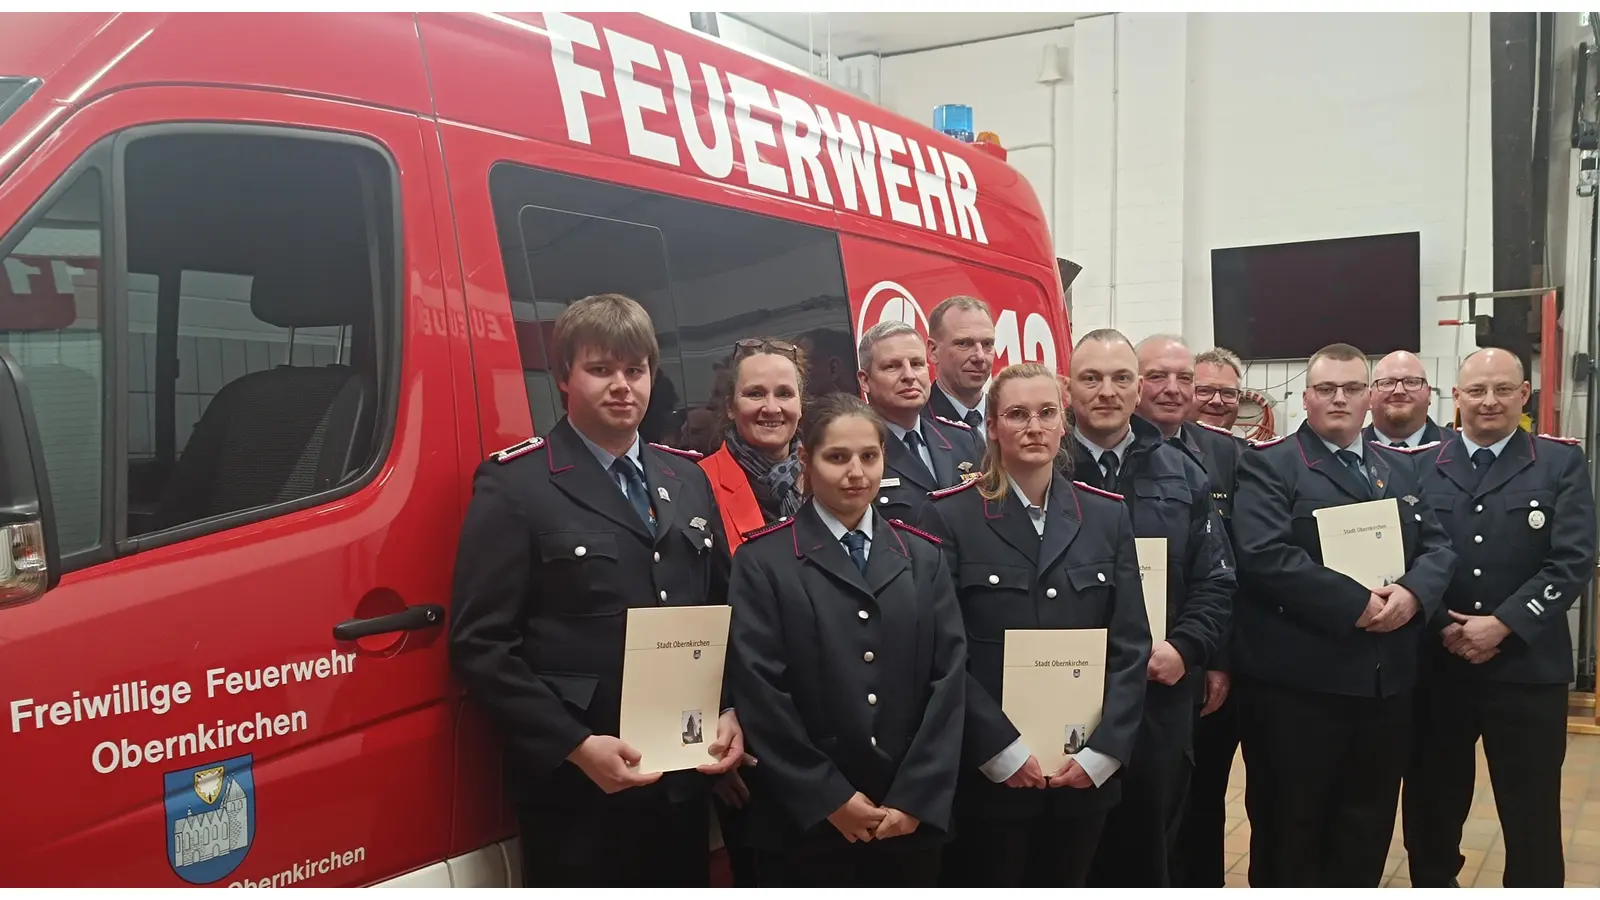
(1180, 133)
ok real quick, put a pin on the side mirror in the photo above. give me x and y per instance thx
(28, 562)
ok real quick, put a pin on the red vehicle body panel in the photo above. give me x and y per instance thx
(392, 760)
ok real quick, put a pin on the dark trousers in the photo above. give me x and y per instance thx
(824, 859)
(1524, 731)
(1198, 858)
(1322, 783)
(613, 840)
(741, 857)
(1141, 831)
(1048, 851)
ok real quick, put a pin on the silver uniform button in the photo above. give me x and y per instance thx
(1418, 517)
(872, 699)
(862, 613)
(1478, 508)
(663, 596)
(1477, 539)
(994, 579)
(1100, 575)
(708, 542)
(1477, 573)
(867, 656)
(580, 551)
(658, 556)
(883, 499)
(1051, 593)
(874, 740)
(1533, 503)
(1477, 606)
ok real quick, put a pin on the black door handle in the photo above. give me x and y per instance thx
(412, 618)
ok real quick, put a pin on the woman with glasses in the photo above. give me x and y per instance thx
(1029, 549)
(847, 661)
(755, 480)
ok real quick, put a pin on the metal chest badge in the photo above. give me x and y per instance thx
(211, 818)
(1536, 519)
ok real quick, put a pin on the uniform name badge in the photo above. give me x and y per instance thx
(1536, 519)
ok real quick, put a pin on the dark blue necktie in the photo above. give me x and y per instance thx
(1353, 463)
(1482, 459)
(638, 492)
(856, 543)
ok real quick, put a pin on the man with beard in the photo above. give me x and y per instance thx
(1168, 400)
(961, 347)
(924, 452)
(1497, 659)
(1167, 496)
(1323, 666)
(1400, 401)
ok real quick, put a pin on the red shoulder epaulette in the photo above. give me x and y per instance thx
(953, 422)
(1417, 449)
(1262, 445)
(1561, 440)
(686, 454)
(515, 450)
(779, 525)
(916, 531)
(945, 492)
(1094, 490)
(1217, 428)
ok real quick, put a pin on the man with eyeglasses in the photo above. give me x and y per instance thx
(1168, 399)
(1167, 496)
(924, 452)
(1323, 668)
(1497, 658)
(1217, 375)
(1400, 400)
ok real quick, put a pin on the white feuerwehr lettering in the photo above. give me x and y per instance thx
(922, 187)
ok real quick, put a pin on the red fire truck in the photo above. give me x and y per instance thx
(272, 285)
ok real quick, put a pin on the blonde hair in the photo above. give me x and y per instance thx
(611, 323)
(994, 483)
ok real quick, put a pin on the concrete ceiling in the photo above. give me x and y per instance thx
(902, 32)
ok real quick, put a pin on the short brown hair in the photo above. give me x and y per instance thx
(1222, 356)
(611, 323)
(1341, 352)
(959, 301)
(1104, 336)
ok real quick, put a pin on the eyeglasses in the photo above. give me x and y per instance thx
(1018, 417)
(1351, 389)
(1413, 383)
(1206, 392)
(756, 345)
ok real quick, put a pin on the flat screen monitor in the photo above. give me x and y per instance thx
(1286, 301)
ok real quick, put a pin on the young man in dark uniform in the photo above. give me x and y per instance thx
(1323, 666)
(1168, 497)
(1497, 658)
(563, 536)
(1168, 399)
(925, 452)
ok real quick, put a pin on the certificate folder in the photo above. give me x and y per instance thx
(1363, 541)
(1053, 689)
(672, 684)
(1152, 553)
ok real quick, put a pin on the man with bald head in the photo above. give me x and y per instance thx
(1401, 399)
(1497, 658)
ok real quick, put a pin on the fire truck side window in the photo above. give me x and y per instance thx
(708, 276)
(51, 324)
(260, 284)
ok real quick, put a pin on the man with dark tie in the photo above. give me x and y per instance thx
(924, 452)
(1323, 667)
(1400, 400)
(1497, 657)
(1167, 496)
(961, 347)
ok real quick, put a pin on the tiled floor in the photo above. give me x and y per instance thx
(1480, 842)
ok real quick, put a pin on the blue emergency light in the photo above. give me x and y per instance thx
(954, 120)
